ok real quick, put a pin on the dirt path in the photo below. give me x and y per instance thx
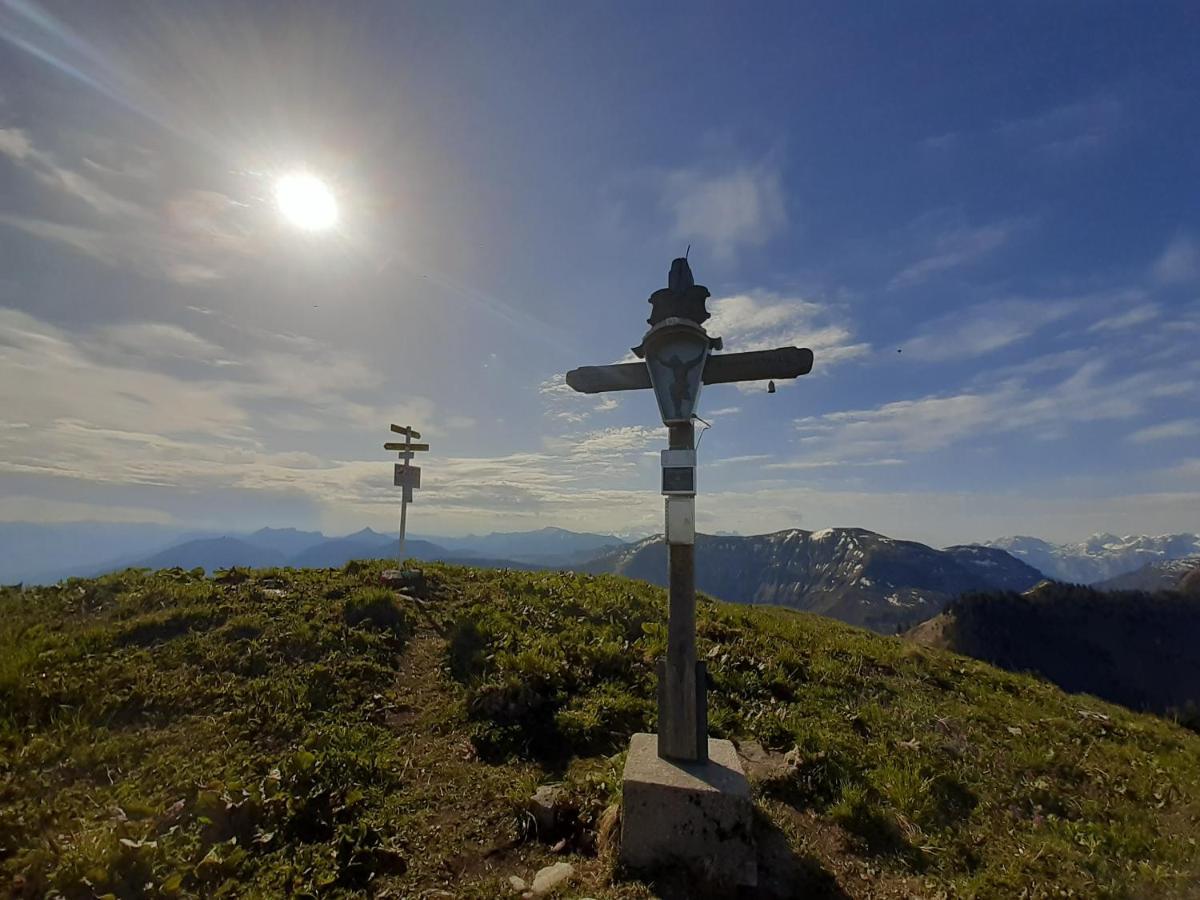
(456, 818)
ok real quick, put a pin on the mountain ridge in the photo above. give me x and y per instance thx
(851, 574)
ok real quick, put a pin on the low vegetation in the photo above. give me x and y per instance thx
(1136, 648)
(308, 733)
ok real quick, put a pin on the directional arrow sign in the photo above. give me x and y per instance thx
(404, 429)
(394, 446)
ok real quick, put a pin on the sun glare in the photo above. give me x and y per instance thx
(306, 202)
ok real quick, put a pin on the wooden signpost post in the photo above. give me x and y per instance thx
(680, 805)
(406, 477)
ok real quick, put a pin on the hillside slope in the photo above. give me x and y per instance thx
(305, 733)
(1130, 647)
(1161, 575)
(849, 574)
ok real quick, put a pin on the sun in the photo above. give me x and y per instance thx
(306, 202)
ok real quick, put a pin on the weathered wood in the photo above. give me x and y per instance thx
(682, 733)
(720, 368)
(392, 445)
(405, 429)
(758, 365)
(619, 377)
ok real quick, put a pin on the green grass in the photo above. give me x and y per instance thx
(309, 733)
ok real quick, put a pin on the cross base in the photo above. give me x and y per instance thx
(692, 815)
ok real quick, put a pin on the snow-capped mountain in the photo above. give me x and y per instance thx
(850, 574)
(1100, 557)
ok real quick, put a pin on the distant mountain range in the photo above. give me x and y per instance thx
(277, 547)
(544, 548)
(1100, 557)
(850, 574)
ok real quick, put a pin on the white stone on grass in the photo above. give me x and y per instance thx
(549, 878)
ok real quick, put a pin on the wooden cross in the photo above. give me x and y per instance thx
(682, 690)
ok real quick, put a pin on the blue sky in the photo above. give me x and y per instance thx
(1006, 195)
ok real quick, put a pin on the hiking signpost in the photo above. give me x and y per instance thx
(406, 476)
(685, 797)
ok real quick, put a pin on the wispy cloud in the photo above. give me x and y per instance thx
(105, 407)
(1068, 131)
(761, 321)
(806, 464)
(1179, 262)
(20, 149)
(945, 247)
(22, 508)
(934, 422)
(192, 237)
(564, 403)
(607, 442)
(1178, 428)
(984, 328)
(1130, 318)
(725, 208)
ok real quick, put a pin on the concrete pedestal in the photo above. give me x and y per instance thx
(697, 816)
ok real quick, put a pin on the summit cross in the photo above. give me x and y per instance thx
(677, 360)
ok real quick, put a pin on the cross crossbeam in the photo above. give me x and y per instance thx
(721, 368)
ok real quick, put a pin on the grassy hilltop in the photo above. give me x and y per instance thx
(306, 733)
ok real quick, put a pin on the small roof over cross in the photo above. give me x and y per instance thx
(682, 298)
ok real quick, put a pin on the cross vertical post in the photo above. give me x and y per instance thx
(682, 693)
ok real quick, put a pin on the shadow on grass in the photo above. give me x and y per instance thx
(783, 874)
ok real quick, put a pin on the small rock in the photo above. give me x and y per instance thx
(761, 764)
(543, 806)
(752, 751)
(518, 884)
(412, 580)
(549, 878)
